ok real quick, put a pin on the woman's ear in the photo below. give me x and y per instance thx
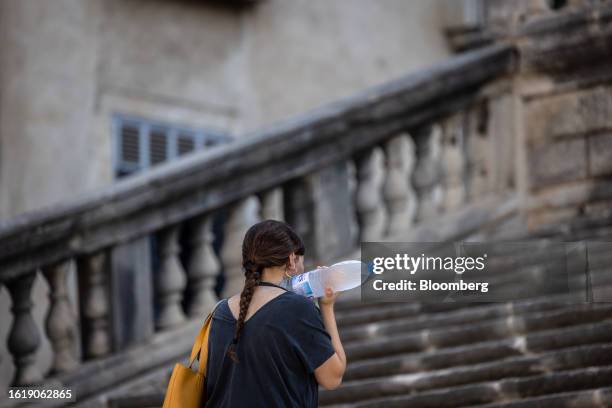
(292, 264)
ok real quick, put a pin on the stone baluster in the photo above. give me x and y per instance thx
(426, 177)
(241, 217)
(61, 323)
(95, 306)
(24, 339)
(203, 268)
(170, 280)
(436, 158)
(479, 152)
(272, 204)
(397, 190)
(352, 185)
(369, 200)
(453, 164)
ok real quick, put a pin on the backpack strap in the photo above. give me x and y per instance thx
(201, 341)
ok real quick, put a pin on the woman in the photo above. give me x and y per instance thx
(269, 347)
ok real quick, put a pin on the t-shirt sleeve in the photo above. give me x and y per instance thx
(308, 336)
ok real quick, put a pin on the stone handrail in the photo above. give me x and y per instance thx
(206, 181)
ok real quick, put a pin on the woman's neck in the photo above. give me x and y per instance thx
(272, 275)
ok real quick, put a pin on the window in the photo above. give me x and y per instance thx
(141, 143)
(463, 14)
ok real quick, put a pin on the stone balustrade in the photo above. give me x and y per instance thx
(392, 137)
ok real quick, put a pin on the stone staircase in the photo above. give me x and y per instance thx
(502, 355)
(535, 352)
(542, 351)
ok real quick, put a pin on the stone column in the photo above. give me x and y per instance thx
(453, 164)
(93, 290)
(24, 339)
(397, 190)
(272, 204)
(203, 268)
(369, 199)
(61, 324)
(426, 177)
(478, 152)
(242, 215)
(170, 280)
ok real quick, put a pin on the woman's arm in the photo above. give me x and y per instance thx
(329, 374)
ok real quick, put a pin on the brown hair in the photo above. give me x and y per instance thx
(266, 244)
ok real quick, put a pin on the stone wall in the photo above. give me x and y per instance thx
(68, 66)
(300, 54)
(563, 91)
(47, 95)
(569, 153)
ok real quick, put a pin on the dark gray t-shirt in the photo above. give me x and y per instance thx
(279, 348)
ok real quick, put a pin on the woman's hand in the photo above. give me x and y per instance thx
(329, 298)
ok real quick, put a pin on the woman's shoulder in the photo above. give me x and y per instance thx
(297, 303)
(222, 310)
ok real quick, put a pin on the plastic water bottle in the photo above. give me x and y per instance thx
(339, 276)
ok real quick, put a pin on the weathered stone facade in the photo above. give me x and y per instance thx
(568, 144)
(69, 65)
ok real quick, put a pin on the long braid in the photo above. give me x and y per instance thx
(253, 277)
(266, 244)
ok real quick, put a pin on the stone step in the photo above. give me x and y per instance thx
(496, 329)
(601, 291)
(530, 252)
(572, 277)
(521, 366)
(578, 229)
(453, 318)
(382, 311)
(150, 400)
(385, 311)
(500, 391)
(549, 340)
(522, 280)
(593, 398)
(516, 266)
